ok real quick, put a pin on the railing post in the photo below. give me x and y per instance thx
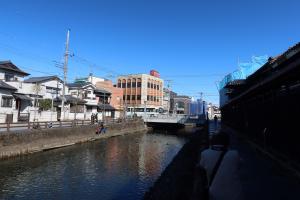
(8, 126)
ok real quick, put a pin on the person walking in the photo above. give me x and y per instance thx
(216, 121)
(92, 118)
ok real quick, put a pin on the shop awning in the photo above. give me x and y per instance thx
(22, 97)
(102, 92)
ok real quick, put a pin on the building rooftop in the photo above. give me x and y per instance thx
(107, 107)
(273, 62)
(8, 65)
(275, 69)
(41, 79)
(70, 99)
(4, 85)
(79, 84)
(138, 74)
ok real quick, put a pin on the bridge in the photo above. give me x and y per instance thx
(172, 120)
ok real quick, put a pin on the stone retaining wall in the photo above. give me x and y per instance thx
(30, 141)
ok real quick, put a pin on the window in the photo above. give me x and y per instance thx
(154, 86)
(123, 85)
(139, 109)
(50, 90)
(76, 108)
(148, 97)
(154, 98)
(133, 97)
(148, 85)
(128, 97)
(119, 85)
(151, 98)
(133, 84)
(180, 104)
(138, 97)
(9, 77)
(157, 87)
(6, 101)
(128, 84)
(151, 85)
(139, 82)
(89, 108)
(123, 97)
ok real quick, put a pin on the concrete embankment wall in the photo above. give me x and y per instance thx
(177, 180)
(30, 141)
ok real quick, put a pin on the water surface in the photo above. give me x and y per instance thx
(121, 167)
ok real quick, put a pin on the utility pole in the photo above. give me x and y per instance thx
(66, 56)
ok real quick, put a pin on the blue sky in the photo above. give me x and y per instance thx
(192, 43)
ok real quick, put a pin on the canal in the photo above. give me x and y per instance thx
(121, 167)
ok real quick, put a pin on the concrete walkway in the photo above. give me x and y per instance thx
(262, 177)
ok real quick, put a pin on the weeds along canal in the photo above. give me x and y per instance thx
(122, 167)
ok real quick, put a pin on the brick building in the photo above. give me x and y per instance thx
(116, 99)
(141, 91)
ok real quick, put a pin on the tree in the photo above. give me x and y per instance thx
(45, 104)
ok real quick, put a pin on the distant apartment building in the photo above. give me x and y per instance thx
(142, 91)
(213, 110)
(91, 79)
(166, 99)
(181, 104)
(197, 107)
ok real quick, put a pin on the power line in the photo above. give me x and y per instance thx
(193, 75)
(23, 53)
(32, 56)
(94, 65)
(42, 72)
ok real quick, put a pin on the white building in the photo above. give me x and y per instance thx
(166, 100)
(213, 110)
(40, 98)
(13, 101)
(90, 100)
(44, 88)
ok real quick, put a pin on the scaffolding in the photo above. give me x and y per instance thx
(244, 70)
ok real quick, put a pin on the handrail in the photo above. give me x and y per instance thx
(56, 124)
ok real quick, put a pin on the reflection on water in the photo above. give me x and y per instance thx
(122, 167)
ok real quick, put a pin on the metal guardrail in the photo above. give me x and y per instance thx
(181, 119)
